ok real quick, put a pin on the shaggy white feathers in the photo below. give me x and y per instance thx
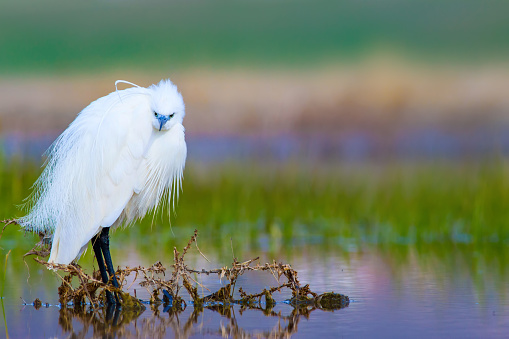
(109, 168)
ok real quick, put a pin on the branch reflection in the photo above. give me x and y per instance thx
(159, 321)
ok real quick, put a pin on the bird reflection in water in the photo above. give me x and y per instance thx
(113, 321)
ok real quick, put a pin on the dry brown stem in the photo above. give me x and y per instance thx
(153, 279)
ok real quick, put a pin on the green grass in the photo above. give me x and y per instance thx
(2, 293)
(4, 275)
(405, 203)
(67, 36)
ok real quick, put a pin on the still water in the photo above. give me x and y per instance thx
(449, 291)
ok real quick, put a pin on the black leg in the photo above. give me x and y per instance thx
(110, 311)
(98, 245)
(112, 314)
(105, 246)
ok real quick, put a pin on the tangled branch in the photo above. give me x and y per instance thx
(153, 279)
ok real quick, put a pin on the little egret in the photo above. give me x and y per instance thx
(122, 157)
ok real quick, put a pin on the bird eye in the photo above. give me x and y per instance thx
(171, 115)
(155, 114)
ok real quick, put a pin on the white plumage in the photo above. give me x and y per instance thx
(120, 158)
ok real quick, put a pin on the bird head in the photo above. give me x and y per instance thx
(167, 105)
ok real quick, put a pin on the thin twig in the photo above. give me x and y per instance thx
(203, 255)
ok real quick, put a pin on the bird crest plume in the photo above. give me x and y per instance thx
(124, 82)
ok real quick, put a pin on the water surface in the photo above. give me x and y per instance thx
(397, 292)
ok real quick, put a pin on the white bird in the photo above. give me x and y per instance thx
(122, 156)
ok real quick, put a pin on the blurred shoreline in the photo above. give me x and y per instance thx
(368, 110)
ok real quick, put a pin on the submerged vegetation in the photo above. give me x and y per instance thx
(153, 279)
(87, 301)
(122, 323)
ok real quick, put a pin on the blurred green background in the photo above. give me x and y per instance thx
(63, 36)
(342, 123)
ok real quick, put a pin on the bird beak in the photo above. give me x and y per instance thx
(162, 120)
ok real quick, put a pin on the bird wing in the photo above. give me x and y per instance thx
(127, 143)
(98, 157)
